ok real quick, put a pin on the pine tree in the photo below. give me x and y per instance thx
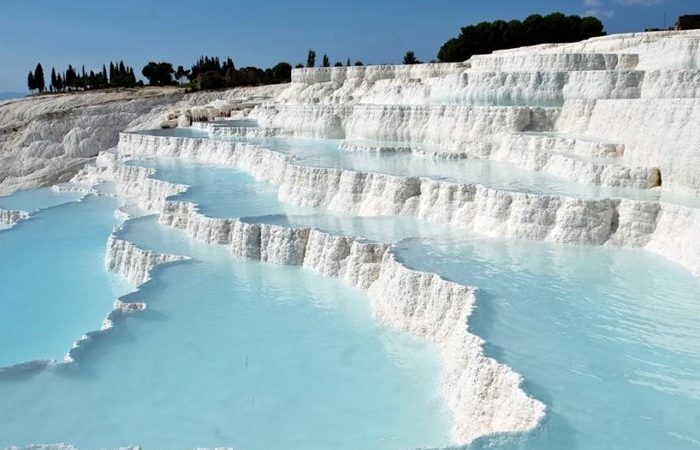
(326, 61)
(348, 63)
(39, 81)
(59, 83)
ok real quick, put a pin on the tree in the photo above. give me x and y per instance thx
(348, 63)
(282, 72)
(410, 58)
(210, 80)
(39, 82)
(158, 74)
(311, 59)
(181, 73)
(53, 79)
(299, 66)
(486, 37)
(359, 63)
(326, 61)
(30, 81)
(338, 64)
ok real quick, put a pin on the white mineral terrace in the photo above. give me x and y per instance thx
(621, 111)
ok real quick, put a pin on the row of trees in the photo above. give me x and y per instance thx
(119, 75)
(536, 29)
(326, 61)
(212, 73)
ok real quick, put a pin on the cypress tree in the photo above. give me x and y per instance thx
(30, 81)
(104, 80)
(311, 59)
(39, 81)
(348, 63)
(53, 79)
(326, 61)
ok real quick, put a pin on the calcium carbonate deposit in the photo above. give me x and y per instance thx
(498, 253)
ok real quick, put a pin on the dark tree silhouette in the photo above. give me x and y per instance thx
(282, 72)
(486, 37)
(311, 59)
(410, 58)
(181, 73)
(30, 81)
(158, 73)
(326, 61)
(39, 82)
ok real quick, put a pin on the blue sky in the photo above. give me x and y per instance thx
(264, 32)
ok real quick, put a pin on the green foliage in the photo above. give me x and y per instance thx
(158, 73)
(31, 85)
(39, 82)
(282, 72)
(486, 37)
(311, 59)
(181, 74)
(326, 61)
(410, 58)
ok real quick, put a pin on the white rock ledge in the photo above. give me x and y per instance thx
(9, 218)
(485, 396)
(655, 226)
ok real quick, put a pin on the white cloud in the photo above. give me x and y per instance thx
(596, 8)
(597, 12)
(640, 2)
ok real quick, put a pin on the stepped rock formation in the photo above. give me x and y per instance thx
(621, 111)
(47, 139)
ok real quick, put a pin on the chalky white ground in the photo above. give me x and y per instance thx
(621, 110)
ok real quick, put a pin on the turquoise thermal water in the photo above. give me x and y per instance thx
(494, 174)
(606, 338)
(223, 192)
(53, 280)
(36, 199)
(258, 356)
(235, 353)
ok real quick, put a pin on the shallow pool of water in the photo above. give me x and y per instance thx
(54, 285)
(606, 338)
(235, 353)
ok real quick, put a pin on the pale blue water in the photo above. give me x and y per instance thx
(54, 286)
(36, 199)
(240, 354)
(607, 338)
(258, 356)
(224, 192)
(495, 174)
